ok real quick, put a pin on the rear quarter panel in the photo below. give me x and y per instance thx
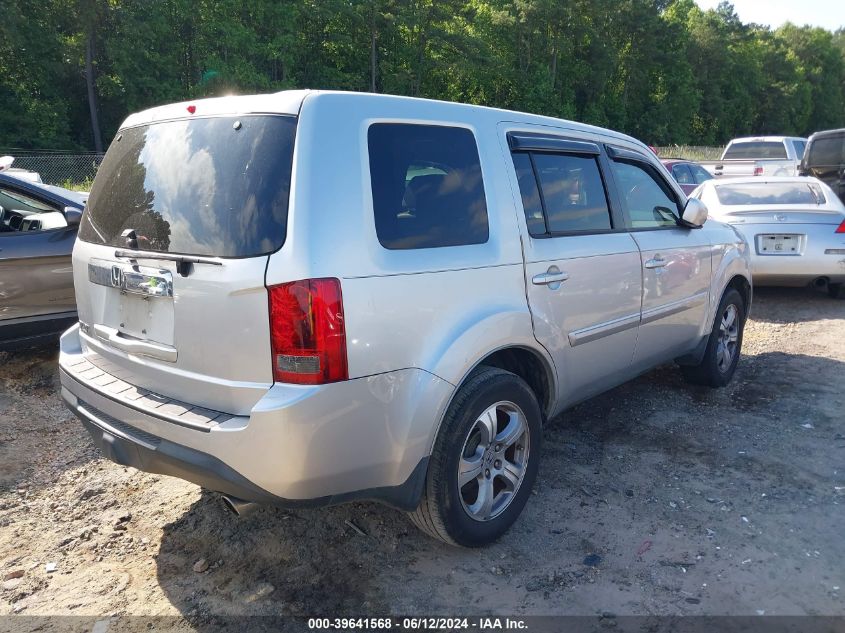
(434, 309)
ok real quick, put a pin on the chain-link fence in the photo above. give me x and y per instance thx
(72, 171)
(690, 152)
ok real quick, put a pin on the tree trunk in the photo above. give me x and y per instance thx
(422, 41)
(373, 50)
(92, 93)
(420, 60)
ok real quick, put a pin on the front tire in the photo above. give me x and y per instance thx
(484, 461)
(724, 345)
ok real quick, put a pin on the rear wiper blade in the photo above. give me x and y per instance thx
(817, 194)
(183, 262)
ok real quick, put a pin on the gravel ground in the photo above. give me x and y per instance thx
(655, 498)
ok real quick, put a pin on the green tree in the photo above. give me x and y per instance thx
(662, 70)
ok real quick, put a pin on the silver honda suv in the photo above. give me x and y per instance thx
(308, 298)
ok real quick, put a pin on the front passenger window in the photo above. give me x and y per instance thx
(21, 213)
(650, 202)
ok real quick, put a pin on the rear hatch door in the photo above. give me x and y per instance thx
(169, 268)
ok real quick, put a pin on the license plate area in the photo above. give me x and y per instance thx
(135, 301)
(780, 244)
(145, 319)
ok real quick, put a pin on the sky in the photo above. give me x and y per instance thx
(829, 14)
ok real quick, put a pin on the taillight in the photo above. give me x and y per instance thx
(841, 227)
(758, 171)
(307, 332)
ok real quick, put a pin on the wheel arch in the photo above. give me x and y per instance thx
(742, 285)
(739, 282)
(530, 363)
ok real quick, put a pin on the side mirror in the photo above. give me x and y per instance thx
(72, 216)
(695, 213)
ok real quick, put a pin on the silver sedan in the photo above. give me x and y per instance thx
(794, 226)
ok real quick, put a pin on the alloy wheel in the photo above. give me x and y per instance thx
(728, 337)
(493, 461)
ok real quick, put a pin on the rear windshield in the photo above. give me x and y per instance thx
(827, 151)
(770, 193)
(756, 149)
(207, 186)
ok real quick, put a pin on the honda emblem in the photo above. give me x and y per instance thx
(116, 276)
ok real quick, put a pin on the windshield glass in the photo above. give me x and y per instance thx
(756, 149)
(206, 186)
(770, 193)
(11, 199)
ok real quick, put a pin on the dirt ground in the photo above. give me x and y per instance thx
(655, 498)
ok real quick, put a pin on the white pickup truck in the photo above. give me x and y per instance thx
(759, 156)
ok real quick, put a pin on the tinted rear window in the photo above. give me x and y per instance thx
(427, 186)
(827, 151)
(770, 193)
(756, 149)
(207, 186)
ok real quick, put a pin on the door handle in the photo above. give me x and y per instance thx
(657, 262)
(552, 276)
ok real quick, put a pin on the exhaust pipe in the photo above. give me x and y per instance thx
(239, 507)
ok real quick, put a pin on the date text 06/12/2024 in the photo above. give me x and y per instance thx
(485, 624)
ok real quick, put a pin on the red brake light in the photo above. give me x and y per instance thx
(307, 332)
(758, 171)
(192, 109)
(841, 227)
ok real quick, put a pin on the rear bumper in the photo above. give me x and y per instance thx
(812, 263)
(128, 446)
(300, 446)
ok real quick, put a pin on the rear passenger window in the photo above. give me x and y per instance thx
(427, 186)
(571, 196)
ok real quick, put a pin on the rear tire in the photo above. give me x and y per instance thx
(836, 291)
(724, 345)
(492, 434)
